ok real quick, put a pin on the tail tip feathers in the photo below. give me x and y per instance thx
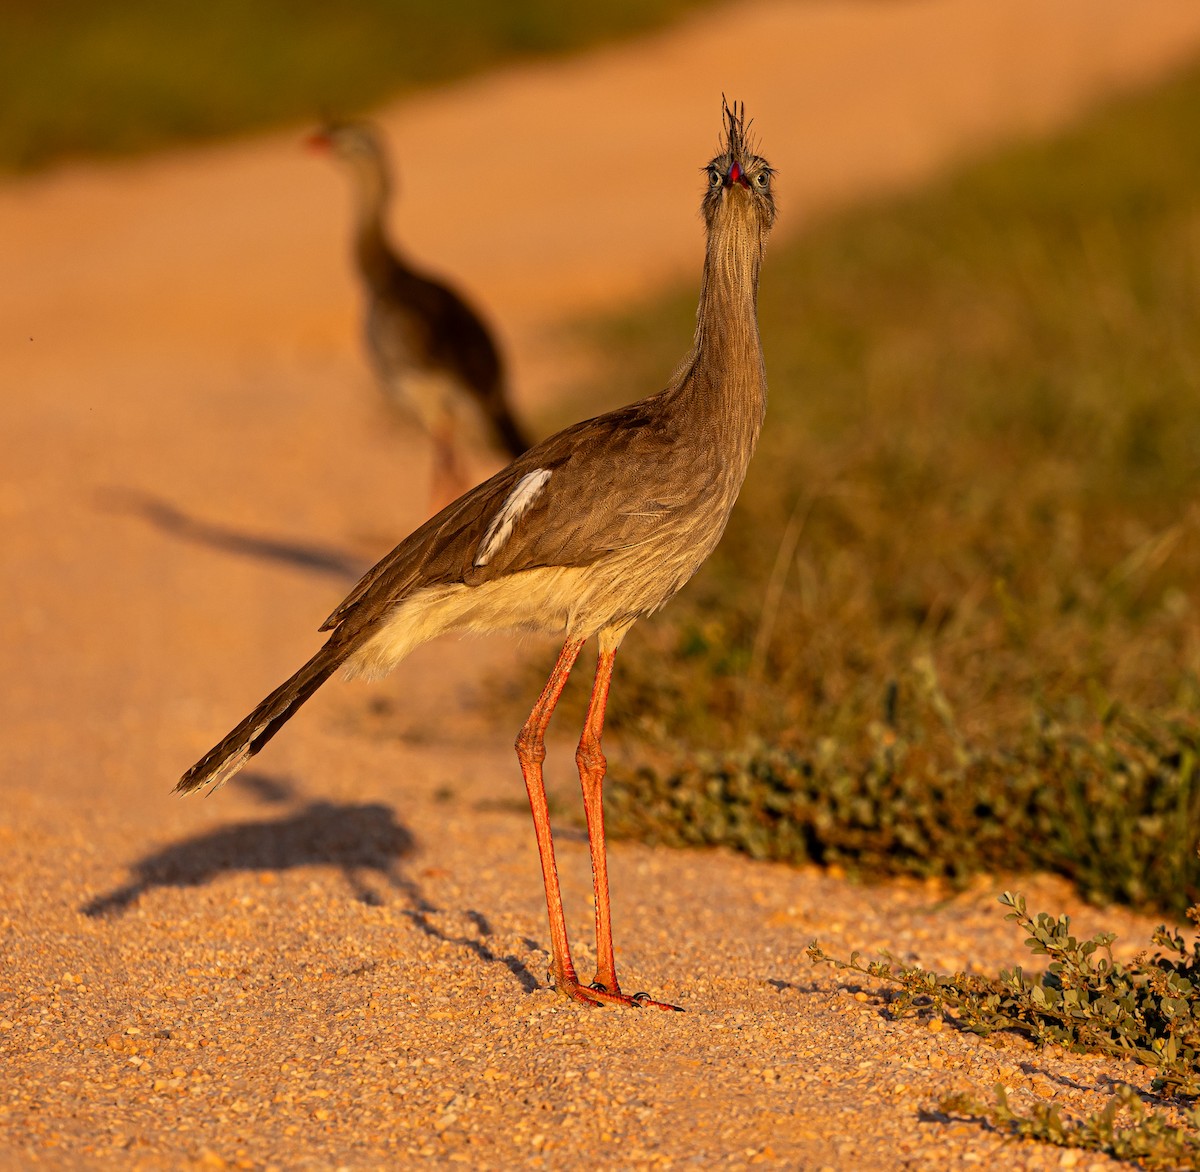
(213, 774)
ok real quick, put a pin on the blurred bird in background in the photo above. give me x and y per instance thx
(435, 358)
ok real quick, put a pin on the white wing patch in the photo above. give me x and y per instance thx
(516, 505)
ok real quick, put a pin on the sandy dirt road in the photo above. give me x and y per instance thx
(340, 961)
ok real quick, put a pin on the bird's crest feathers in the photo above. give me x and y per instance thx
(737, 145)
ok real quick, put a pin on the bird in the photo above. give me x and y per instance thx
(432, 353)
(585, 533)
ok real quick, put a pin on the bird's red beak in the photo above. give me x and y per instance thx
(317, 141)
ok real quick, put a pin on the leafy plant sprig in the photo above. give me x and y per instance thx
(1147, 1011)
(1149, 1137)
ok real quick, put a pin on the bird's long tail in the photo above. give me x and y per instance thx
(222, 761)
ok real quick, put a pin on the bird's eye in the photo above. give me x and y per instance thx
(761, 180)
(714, 177)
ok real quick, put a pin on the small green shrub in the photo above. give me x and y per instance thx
(1114, 805)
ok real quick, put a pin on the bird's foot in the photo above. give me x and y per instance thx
(603, 992)
(577, 992)
(636, 1001)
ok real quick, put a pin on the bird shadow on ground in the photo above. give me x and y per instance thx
(363, 840)
(316, 559)
(360, 839)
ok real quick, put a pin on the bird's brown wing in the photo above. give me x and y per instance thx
(610, 487)
(592, 502)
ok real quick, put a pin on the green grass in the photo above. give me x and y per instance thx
(980, 467)
(80, 78)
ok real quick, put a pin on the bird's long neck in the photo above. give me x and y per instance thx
(724, 378)
(372, 250)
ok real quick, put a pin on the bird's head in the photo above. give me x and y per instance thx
(357, 144)
(346, 140)
(738, 178)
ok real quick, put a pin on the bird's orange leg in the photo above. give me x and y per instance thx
(592, 765)
(531, 751)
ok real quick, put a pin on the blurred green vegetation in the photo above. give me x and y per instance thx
(130, 75)
(980, 468)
